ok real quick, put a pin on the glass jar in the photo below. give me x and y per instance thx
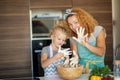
(117, 63)
(117, 70)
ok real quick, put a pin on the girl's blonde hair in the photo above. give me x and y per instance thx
(59, 27)
(85, 19)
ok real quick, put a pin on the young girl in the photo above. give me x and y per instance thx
(53, 55)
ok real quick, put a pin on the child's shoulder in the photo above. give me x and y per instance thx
(45, 48)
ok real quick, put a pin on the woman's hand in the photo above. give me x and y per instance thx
(66, 62)
(81, 37)
(80, 34)
(74, 60)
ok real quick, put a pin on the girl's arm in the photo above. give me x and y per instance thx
(47, 61)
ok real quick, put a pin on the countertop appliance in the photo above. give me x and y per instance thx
(43, 20)
(37, 46)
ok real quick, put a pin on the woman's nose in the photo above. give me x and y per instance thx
(73, 25)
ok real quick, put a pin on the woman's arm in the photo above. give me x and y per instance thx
(100, 44)
(73, 47)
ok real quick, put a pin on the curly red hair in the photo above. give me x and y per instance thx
(85, 19)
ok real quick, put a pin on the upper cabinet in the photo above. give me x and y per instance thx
(94, 6)
(56, 4)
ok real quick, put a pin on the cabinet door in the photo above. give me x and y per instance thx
(94, 6)
(50, 4)
(15, 56)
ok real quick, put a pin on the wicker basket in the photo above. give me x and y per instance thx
(69, 73)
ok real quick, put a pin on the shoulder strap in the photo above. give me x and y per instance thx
(51, 51)
(93, 37)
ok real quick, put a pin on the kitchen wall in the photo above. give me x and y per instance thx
(15, 57)
(15, 50)
(116, 22)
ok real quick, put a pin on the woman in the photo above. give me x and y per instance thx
(88, 38)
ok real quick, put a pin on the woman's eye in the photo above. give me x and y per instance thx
(70, 24)
(75, 22)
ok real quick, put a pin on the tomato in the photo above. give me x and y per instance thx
(105, 79)
(95, 78)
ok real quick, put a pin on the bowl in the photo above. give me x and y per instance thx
(69, 73)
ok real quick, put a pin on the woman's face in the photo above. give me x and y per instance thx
(73, 23)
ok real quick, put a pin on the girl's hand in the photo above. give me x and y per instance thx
(65, 52)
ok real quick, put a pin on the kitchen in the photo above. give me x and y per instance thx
(15, 48)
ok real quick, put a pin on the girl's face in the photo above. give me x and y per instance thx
(58, 39)
(73, 23)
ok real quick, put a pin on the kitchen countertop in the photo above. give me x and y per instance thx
(82, 77)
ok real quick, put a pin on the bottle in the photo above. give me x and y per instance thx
(117, 63)
(117, 70)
